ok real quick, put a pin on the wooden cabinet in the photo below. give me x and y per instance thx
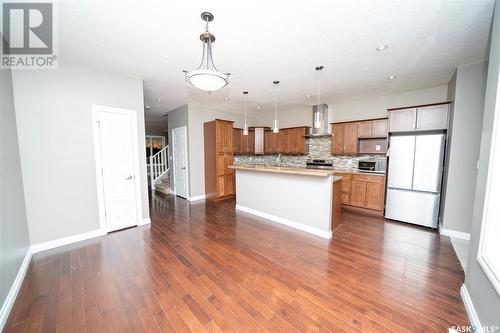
(380, 128)
(433, 117)
(288, 141)
(346, 187)
(219, 146)
(345, 139)
(367, 191)
(419, 118)
(363, 192)
(402, 120)
(237, 137)
(248, 142)
(372, 129)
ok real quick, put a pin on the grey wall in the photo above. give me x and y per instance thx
(176, 118)
(466, 90)
(14, 236)
(357, 108)
(54, 122)
(486, 300)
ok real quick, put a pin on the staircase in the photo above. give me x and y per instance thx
(159, 171)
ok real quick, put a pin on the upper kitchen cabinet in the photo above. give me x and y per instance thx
(419, 118)
(345, 139)
(237, 137)
(372, 128)
(288, 141)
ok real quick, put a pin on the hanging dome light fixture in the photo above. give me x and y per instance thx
(207, 77)
(245, 129)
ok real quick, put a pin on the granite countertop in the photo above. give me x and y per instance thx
(288, 170)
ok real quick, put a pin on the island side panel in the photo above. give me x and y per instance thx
(300, 201)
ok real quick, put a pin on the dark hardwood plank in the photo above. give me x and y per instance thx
(206, 267)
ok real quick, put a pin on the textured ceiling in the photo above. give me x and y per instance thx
(262, 41)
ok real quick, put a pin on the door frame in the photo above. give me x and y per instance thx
(187, 159)
(96, 109)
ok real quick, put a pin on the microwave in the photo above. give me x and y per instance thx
(377, 166)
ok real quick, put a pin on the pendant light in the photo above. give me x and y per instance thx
(245, 129)
(276, 128)
(207, 77)
(318, 122)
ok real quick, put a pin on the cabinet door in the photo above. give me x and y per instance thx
(432, 118)
(219, 136)
(221, 174)
(351, 138)
(358, 193)
(237, 140)
(283, 139)
(274, 143)
(365, 129)
(251, 142)
(338, 139)
(402, 120)
(300, 141)
(267, 142)
(228, 137)
(244, 144)
(379, 128)
(291, 146)
(346, 187)
(375, 194)
(229, 175)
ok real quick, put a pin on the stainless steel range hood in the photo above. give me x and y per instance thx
(320, 127)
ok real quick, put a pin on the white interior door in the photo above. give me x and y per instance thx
(180, 165)
(118, 163)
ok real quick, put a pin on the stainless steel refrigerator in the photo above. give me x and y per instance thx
(414, 178)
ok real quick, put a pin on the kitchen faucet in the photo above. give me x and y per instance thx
(278, 159)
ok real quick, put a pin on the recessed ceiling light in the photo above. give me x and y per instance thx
(259, 107)
(158, 99)
(147, 107)
(227, 98)
(308, 96)
(392, 77)
(382, 48)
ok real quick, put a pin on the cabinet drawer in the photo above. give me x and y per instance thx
(369, 178)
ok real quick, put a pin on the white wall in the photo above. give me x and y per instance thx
(466, 90)
(14, 235)
(54, 123)
(484, 297)
(362, 107)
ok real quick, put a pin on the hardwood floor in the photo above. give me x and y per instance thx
(202, 267)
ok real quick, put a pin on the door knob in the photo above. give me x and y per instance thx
(129, 177)
(183, 168)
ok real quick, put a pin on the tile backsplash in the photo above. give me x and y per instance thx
(319, 148)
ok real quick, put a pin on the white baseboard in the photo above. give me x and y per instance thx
(453, 233)
(14, 289)
(281, 220)
(197, 198)
(471, 311)
(144, 221)
(66, 240)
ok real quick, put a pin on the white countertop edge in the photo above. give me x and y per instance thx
(292, 224)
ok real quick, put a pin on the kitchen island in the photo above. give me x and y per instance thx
(305, 199)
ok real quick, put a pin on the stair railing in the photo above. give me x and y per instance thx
(158, 165)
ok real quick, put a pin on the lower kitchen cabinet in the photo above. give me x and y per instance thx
(363, 192)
